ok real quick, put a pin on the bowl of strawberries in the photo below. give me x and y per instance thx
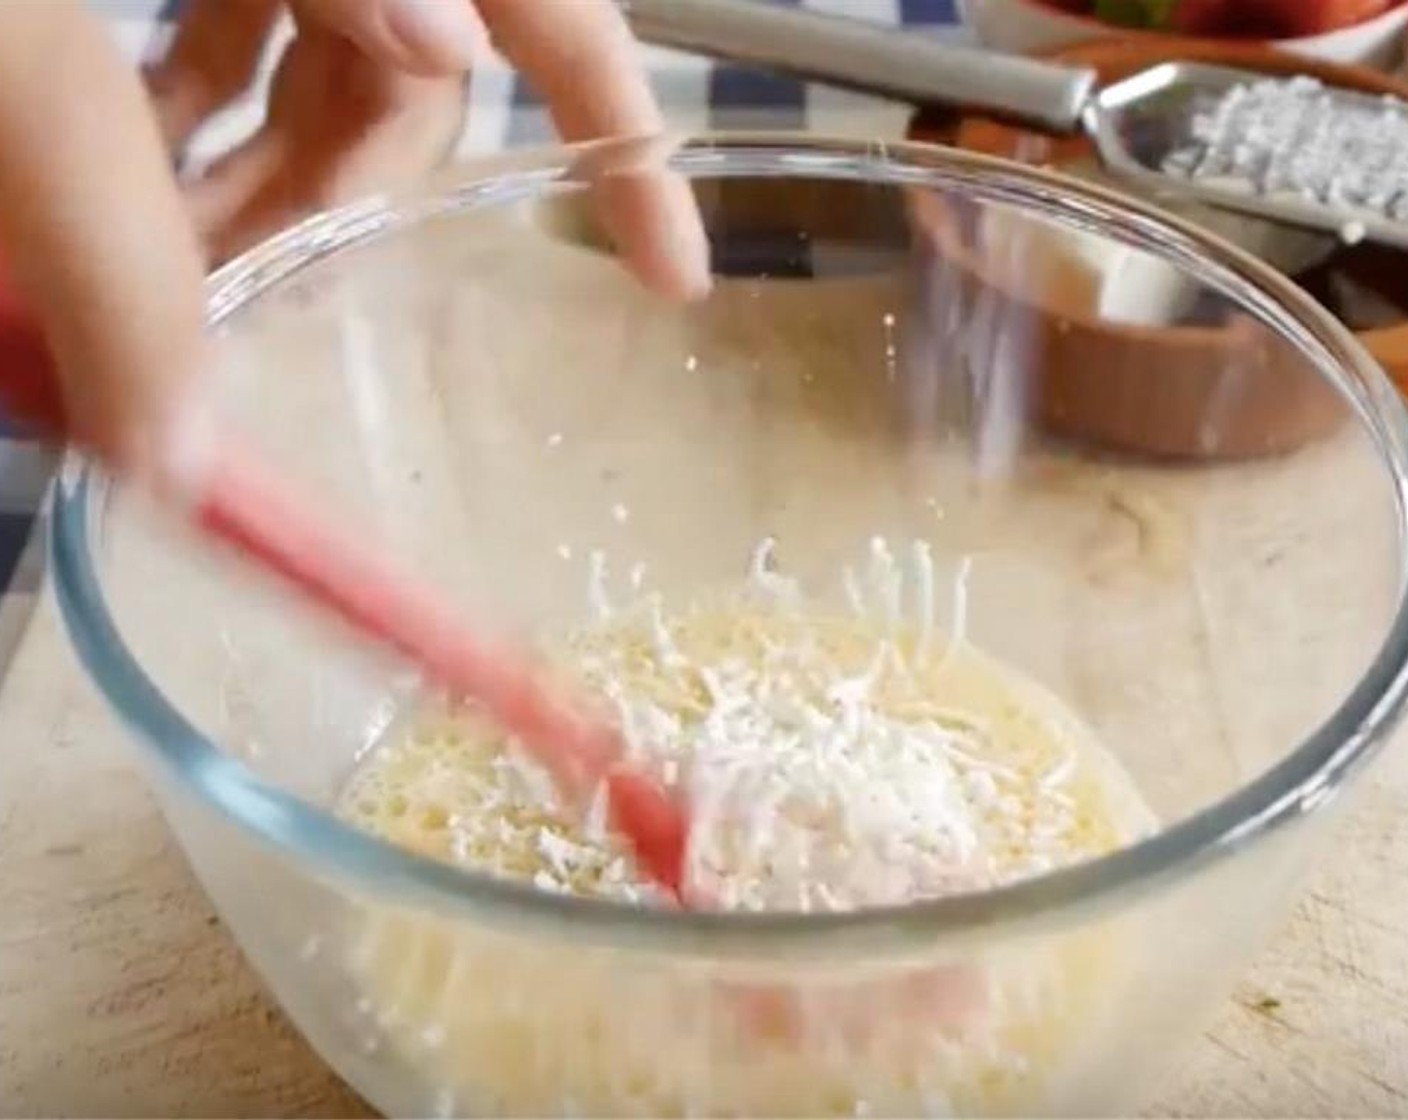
(1367, 32)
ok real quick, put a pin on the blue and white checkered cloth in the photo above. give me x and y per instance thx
(698, 94)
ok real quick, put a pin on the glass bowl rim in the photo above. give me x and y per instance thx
(1300, 783)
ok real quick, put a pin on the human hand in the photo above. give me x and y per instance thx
(109, 249)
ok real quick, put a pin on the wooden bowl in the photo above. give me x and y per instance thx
(1224, 391)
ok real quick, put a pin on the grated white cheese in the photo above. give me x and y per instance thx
(763, 576)
(597, 597)
(830, 762)
(958, 635)
(885, 579)
(1297, 138)
(924, 591)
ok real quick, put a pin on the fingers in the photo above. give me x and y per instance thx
(425, 37)
(580, 55)
(652, 216)
(94, 233)
(212, 60)
(368, 96)
(218, 45)
(339, 126)
(582, 59)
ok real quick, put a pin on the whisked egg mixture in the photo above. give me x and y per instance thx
(832, 760)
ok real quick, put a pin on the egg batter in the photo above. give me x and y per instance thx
(832, 760)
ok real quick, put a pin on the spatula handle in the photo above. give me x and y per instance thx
(905, 65)
(253, 511)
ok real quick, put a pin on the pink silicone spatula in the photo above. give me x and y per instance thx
(255, 512)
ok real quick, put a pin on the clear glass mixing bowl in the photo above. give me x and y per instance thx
(1175, 485)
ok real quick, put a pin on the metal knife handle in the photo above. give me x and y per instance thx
(907, 66)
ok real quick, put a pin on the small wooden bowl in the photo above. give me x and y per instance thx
(1210, 392)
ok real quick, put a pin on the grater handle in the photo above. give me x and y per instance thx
(905, 65)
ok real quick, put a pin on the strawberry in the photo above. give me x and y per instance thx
(1205, 17)
(1315, 17)
(1268, 18)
